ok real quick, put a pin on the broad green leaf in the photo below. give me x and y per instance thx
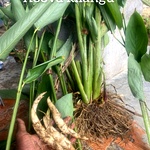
(145, 66)
(112, 15)
(108, 18)
(65, 105)
(27, 39)
(121, 2)
(52, 14)
(1, 14)
(116, 13)
(135, 78)
(11, 94)
(12, 36)
(59, 43)
(45, 44)
(65, 49)
(7, 11)
(17, 8)
(136, 36)
(89, 12)
(43, 85)
(38, 70)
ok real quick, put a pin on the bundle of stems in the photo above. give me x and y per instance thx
(88, 72)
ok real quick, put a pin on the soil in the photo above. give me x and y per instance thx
(6, 112)
(133, 142)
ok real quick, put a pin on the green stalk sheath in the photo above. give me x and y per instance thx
(53, 54)
(145, 118)
(53, 93)
(62, 80)
(32, 93)
(97, 58)
(32, 86)
(82, 45)
(90, 69)
(79, 83)
(70, 80)
(85, 65)
(39, 49)
(20, 87)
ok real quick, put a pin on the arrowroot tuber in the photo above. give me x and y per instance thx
(58, 137)
(40, 130)
(60, 122)
(50, 135)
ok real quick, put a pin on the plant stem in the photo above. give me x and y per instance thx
(62, 80)
(32, 86)
(53, 54)
(20, 87)
(71, 82)
(83, 48)
(53, 51)
(145, 118)
(84, 65)
(97, 58)
(90, 69)
(79, 83)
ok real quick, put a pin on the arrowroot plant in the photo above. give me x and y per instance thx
(50, 54)
(93, 21)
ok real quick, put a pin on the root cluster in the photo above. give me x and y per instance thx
(103, 120)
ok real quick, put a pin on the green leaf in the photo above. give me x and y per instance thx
(89, 11)
(27, 39)
(18, 10)
(59, 43)
(12, 36)
(65, 49)
(2, 14)
(43, 85)
(37, 71)
(108, 18)
(52, 14)
(116, 13)
(11, 94)
(135, 78)
(65, 105)
(112, 15)
(145, 66)
(7, 11)
(45, 43)
(121, 2)
(136, 36)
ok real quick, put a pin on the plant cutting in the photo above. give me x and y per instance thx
(92, 23)
(87, 73)
(133, 43)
